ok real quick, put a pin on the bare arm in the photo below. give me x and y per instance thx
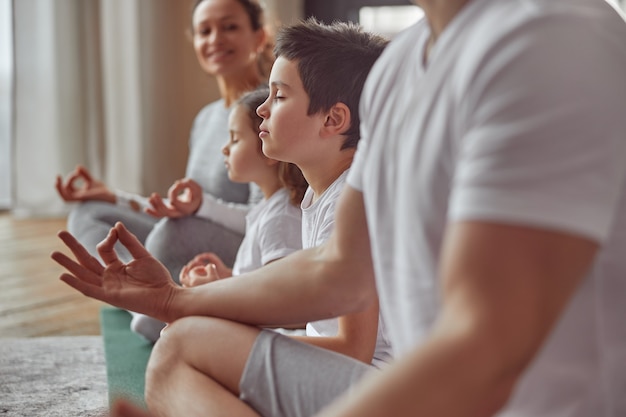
(324, 282)
(357, 333)
(504, 288)
(356, 336)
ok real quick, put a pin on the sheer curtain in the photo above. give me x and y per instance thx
(112, 84)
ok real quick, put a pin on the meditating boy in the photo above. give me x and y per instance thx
(311, 119)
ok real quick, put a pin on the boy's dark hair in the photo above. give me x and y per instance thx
(289, 174)
(333, 62)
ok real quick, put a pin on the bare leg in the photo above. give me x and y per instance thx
(196, 366)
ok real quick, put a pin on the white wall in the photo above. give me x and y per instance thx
(5, 103)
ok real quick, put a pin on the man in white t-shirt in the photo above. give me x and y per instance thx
(490, 191)
(503, 230)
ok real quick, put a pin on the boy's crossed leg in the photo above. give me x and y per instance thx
(228, 369)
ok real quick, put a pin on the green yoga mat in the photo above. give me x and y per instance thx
(126, 356)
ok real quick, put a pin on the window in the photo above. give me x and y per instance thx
(386, 17)
(388, 20)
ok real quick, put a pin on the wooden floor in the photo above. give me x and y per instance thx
(33, 302)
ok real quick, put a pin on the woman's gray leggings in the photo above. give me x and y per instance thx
(172, 241)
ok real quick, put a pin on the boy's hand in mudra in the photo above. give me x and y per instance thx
(143, 285)
(202, 269)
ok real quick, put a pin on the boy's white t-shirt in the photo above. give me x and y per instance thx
(318, 221)
(273, 231)
(518, 118)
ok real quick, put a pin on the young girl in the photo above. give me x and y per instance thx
(273, 226)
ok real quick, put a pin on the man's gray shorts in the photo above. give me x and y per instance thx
(286, 378)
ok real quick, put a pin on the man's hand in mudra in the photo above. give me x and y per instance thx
(142, 285)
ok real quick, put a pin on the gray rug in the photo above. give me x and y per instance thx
(52, 376)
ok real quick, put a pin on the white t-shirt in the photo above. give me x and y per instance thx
(518, 118)
(318, 221)
(273, 231)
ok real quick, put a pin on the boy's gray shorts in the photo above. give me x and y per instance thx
(287, 378)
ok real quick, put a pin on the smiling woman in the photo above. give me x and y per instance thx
(231, 44)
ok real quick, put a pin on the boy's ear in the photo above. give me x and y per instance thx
(337, 120)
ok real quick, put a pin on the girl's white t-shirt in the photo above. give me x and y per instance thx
(273, 231)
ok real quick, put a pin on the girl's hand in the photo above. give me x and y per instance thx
(199, 275)
(203, 268)
(185, 197)
(81, 186)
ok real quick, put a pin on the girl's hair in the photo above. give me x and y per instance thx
(289, 174)
(256, 12)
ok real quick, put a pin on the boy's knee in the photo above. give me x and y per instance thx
(169, 348)
(177, 341)
(177, 347)
(166, 356)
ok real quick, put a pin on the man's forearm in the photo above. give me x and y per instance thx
(443, 378)
(301, 287)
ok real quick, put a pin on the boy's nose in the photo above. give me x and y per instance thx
(261, 110)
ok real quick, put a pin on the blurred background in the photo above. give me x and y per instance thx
(114, 85)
